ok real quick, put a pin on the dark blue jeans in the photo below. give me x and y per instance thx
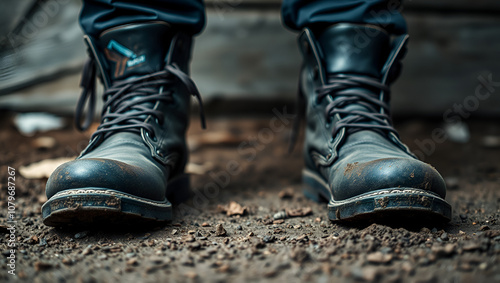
(189, 15)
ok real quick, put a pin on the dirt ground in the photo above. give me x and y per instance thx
(260, 245)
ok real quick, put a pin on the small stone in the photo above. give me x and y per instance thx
(191, 232)
(447, 250)
(189, 239)
(299, 212)
(34, 240)
(444, 236)
(279, 221)
(471, 246)
(220, 231)
(205, 224)
(174, 231)
(379, 257)
(463, 217)
(42, 266)
(43, 242)
(156, 260)
(224, 268)
(286, 193)
(268, 239)
(67, 261)
(87, 250)
(238, 227)
(102, 257)
(279, 215)
(484, 228)
(132, 261)
(81, 235)
(303, 238)
(251, 234)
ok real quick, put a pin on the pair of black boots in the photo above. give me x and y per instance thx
(135, 160)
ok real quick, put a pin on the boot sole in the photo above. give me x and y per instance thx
(100, 206)
(391, 205)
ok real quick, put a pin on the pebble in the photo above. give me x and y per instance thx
(42, 266)
(205, 224)
(279, 215)
(238, 227)
(81, 235)
(379, 257)
(484, 228)
(444, 236)
(87, 250)
(220, 231)
(132, 261)
(441, 251)
(471, 246)
(156, 260)
(268, 239)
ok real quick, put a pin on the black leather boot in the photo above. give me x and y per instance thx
(136, 158)
(353, 155)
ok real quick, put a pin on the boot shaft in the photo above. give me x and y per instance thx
(345, 81)
(135, 50)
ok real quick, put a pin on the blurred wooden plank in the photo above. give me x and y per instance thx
(249, 56)
(11, 15)
(41, 50)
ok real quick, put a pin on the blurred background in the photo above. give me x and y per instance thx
(246, 59)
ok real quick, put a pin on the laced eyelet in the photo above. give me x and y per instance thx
(152, 137)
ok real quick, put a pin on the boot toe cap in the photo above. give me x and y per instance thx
(362, 177)
(106, 174)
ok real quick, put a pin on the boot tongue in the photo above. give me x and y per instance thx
(134, 50)
(354, 49)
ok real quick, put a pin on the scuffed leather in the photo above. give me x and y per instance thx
(137, 164)
(365, 161)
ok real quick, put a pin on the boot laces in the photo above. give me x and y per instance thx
(348, 90)
(124, 102)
